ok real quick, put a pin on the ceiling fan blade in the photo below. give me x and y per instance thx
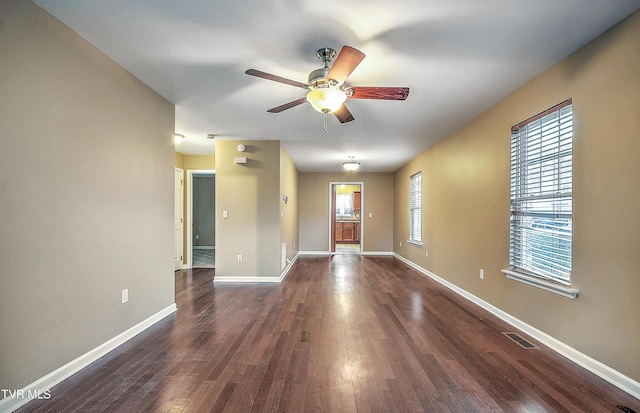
(348, 59)
(286, 106)
(343, 114)
(384, 93)
(268, 76)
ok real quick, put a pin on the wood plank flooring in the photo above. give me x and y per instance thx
(347, 333)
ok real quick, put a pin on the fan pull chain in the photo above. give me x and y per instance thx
(324, 128)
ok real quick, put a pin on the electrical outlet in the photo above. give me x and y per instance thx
(197, 236)
(125, 295)
(239, 258)
(481, 274)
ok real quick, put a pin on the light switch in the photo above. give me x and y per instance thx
(370, 214)
(224, 214)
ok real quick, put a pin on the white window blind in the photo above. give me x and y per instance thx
(541, 198)
(415, 208)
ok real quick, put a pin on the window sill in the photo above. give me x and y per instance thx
(543, 284)
(416, 243)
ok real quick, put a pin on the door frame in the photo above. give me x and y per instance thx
(179, 210)
(332, 214)
(189, 224)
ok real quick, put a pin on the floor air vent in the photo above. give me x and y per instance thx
(521, 341)
(625, 409)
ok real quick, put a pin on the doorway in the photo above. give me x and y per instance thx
(201, 242)
(345, 219)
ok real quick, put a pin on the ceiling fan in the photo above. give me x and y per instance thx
(327, 88)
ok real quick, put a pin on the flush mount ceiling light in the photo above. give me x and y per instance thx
(177, 137)
(351, 165)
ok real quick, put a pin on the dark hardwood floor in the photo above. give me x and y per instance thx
(341, 334)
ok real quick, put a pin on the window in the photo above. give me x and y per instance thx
(541, 199)
(344, 204)
(415, 208)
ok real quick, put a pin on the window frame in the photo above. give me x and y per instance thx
(415, 209)
(541, 200)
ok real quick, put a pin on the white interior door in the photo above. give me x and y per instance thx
(178, 218)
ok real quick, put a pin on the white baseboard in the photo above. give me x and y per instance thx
(256, 279)
(55, 377)
(290, 263)
(314, 253)
(339, 253)
(601, 370)
(244, 279)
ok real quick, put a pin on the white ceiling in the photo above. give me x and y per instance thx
(459, 57)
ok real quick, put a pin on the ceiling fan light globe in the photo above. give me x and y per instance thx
(326, 99)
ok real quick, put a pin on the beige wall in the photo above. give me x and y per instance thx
(87, 197)
(250, 193)
(289, 211)
(203, 162)
(466, 202)
(377, 199)
(179, 160)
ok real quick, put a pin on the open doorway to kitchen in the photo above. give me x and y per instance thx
(201, 225)
(346, 218)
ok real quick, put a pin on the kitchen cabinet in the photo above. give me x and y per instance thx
(347, 232)
(356, 202)
(338, 230)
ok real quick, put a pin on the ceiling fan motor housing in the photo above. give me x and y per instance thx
(318, 77)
